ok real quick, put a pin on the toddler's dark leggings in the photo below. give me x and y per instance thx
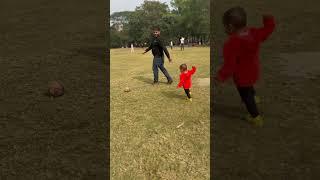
(247, 95)
(187, 93)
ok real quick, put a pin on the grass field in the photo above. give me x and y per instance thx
(64, 138)
(288, 146)
(155, 132)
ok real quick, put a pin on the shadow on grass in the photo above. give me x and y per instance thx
(147, 80)
(173, 94)
(95, 52)
(226, 111)
(143, 79)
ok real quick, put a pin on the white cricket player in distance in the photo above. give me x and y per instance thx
(132, 49)
(182, 43)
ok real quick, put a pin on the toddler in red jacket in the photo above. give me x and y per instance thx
(241, 56)
(185, 79)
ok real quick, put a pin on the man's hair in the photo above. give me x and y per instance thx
(183, 67)
(236, 16)
(156, 28)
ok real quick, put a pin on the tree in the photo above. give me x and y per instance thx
(189, 18)
(193, 18)
(147, 16)
(119, 29)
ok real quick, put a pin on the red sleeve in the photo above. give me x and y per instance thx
(181, 81)
(193, 70)
(268, 27)
(230, 52)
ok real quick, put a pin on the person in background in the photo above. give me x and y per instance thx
(158, 51)
(132, 49)
(182, 43)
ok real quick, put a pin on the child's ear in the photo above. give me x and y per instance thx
(230, 28)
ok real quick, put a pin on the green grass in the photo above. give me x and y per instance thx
(146, 142)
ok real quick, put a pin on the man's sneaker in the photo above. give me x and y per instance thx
(169, 82)
(257, 121)
(155, 83)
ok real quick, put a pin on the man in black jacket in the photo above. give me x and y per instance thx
(158, 51)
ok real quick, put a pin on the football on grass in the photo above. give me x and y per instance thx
(127, 89)
(55, 89)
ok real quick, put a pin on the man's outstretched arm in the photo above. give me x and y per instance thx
(148, 49)
(165, 51)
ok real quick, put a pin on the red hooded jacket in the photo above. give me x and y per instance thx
(241, 54)
(185, 78)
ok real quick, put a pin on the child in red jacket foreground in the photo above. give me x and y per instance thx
(185, 79)
(241, 57)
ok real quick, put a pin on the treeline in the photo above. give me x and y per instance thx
(185, 18)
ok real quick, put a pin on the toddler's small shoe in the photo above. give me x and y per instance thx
(257, 121)
(257, 99)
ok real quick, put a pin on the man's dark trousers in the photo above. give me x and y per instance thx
(158, 62)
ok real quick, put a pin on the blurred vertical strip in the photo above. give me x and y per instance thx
(212, 51)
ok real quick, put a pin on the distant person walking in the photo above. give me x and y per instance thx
(132, 48)
(158, 51)
(171, 45)
(182, 43)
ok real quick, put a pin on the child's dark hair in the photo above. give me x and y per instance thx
(236, 16)
(156, 28)
(183, 67)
